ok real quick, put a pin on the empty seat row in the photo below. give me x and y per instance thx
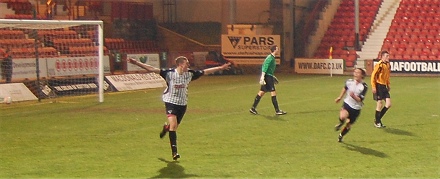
(113, 40)
(144, 44)
(402, 50)
(6, 1)
(24, 16)
(12, 34)
(58, 33)
(85, 51)
(74, 42)
(30, 52)
(414, 57)
(12, 43)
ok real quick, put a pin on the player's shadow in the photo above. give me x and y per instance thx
(364, 150)
(317, 111)
(274, 117)
(398, 131)
(173, 170)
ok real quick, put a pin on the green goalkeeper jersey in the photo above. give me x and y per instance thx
(269, 65)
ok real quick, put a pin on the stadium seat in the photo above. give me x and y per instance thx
(433, 57)
(396, 56)
(435, 51)
(349, 63)
(344, 19)
(413, 34)
(352, 57)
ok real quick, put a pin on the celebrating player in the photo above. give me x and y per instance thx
(175, 95)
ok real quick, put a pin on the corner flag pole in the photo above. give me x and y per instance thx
(330, 57)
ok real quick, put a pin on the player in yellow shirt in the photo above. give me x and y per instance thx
(380, 85)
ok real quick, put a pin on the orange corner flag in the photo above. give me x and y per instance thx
(330, 52)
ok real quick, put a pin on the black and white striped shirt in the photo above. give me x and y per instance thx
(177, 85)
(359, 89)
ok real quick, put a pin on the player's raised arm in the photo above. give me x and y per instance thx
(218, 68)
(143, 65)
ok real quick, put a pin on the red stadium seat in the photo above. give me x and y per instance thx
(349, 63)
(341, 29)
(435, 51)
(415, 57)
(396, 56)
(433, 57)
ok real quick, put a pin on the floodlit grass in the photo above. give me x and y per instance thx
(76, 137)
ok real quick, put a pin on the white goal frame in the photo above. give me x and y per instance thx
(54, 24)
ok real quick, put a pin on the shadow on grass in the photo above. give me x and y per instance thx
(274, 117)
(398, 131)
(364, 150)
(318, 111)
(173, 170)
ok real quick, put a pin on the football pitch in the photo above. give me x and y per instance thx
(77, 137)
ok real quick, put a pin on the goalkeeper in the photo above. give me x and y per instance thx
(267, 82)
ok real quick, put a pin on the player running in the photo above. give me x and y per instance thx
(355, 89)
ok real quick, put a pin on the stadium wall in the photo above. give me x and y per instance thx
(175, 42)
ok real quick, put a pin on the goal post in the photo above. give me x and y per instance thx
(63, 57)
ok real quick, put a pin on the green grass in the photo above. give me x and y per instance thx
(76, 137)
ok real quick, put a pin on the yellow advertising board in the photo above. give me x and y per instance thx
(235, 47)
(251, 61)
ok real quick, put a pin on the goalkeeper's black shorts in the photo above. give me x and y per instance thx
(270, 84)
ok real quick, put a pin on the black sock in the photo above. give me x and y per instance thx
(377, 117)
(345, 131)
(275, 103)
(173, 141)
(256, 101)
(384, 110)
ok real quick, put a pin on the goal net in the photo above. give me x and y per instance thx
(54, 57)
